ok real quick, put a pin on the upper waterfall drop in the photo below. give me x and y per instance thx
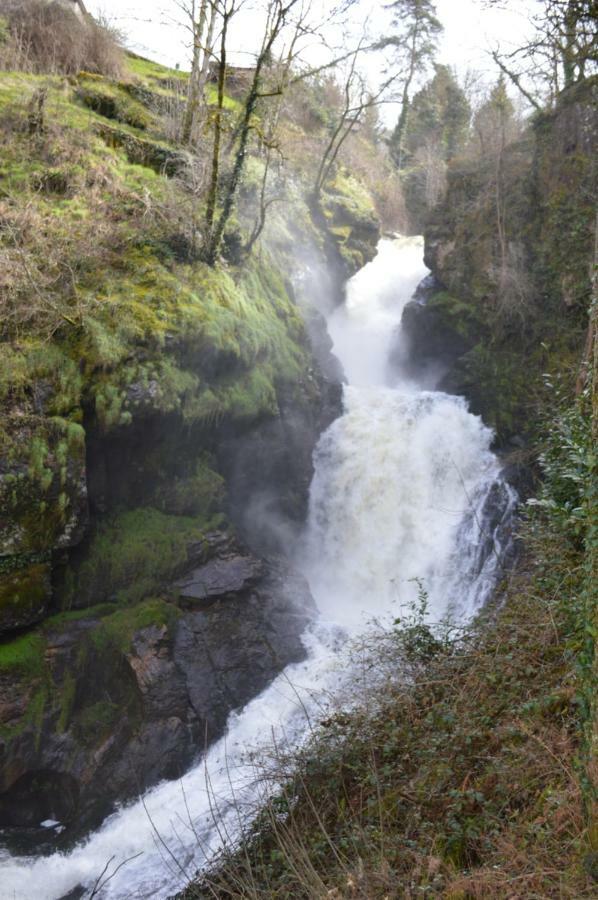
(364, 328)
(397, 499)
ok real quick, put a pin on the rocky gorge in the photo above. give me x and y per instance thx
(151, 467)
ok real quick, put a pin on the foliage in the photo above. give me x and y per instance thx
(46, 37)
(133, 555)
(439, 116)
(569, 462)
(458, 781)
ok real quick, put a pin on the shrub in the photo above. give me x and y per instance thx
(46, 37)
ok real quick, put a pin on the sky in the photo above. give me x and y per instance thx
(470, 30)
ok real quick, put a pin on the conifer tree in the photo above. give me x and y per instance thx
(415, 42)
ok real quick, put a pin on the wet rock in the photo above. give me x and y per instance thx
(39, 796)
(120, 706)
(159, 681)
(220, 578)
(230, 651)
(140, 394)
(24, 597)
(428, 343)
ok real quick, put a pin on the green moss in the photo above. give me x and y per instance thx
(32, 361)
(352, 195)
(23, 655)
(463, 317)
(24, 595)
(96, 722)
(117, 631)
(114, 102)
(44, 458)
(67, 700)
(133, 555)
(201, 494)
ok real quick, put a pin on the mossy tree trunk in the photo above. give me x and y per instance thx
(277, 17)
(227, 14)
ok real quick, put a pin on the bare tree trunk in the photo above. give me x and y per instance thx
(277, 17)
(215, 175)
(500, 212)
(330, 153)
(193, 94)
(207, 56)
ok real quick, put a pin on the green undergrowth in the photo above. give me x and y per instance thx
(465, 769)
(133, 555)
(121, 279)
(23, 654)
(117, 631)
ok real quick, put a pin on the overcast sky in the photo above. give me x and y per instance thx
(469, 30)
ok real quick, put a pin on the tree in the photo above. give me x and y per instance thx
(415, 44)
(439, 116)
(494, 123)
(562, 51)
(436, 131)
(201, 16)
(277, 17)
(496, 126)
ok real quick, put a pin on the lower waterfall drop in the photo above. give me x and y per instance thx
(400, 497)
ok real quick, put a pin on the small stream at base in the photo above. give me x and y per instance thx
(406, 493)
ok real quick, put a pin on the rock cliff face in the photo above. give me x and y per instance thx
(155, 453)
(152, 628)
(124, 699)
(510, 303)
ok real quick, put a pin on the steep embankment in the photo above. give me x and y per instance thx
(157, 416)
(511, 249)
(473, 775)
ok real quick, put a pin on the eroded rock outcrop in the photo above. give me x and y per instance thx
(103, 705)
(504, 289)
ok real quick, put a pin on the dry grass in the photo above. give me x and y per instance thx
(62, 220)
(46, 38)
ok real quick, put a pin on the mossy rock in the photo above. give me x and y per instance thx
(134, 555)
(43, 495)
(143, 151)
(24, 597)
(350, 217)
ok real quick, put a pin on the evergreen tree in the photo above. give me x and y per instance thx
(439, 118)
(494, 122)
(415, 41)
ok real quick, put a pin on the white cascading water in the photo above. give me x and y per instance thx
(401, 492)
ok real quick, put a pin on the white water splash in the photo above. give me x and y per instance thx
(401, 491)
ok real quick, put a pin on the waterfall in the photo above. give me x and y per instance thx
(405, 488)
(399, 496)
